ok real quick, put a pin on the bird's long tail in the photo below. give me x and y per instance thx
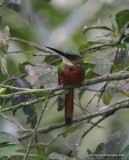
(69, 107)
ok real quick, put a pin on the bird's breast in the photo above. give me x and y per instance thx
(72, 75)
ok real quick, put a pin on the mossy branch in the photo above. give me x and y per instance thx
(100, 79)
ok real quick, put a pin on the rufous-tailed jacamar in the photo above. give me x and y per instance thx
(70, 72)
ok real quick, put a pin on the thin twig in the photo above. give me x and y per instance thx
(102, 112)
(35, 130)
(58, 90)
(94, 125)
(31, 44)
(23, 104)
(94, 49)
(104, 78)
(13, 78)
(91, 100)
(102, 90)
(87, 131)
(105, 86)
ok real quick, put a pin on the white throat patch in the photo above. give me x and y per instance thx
(66, 61)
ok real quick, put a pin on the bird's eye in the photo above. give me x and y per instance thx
(71, 68)
(70, 57)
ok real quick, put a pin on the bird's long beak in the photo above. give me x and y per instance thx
(63, 55)
(58, 51)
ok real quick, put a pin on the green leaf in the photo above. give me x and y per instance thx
(90, 70)
(89, 44)
(8, 144)
(126, 41)
(108, 94)
(122, 45)
(2, 90)
(122, 60)
(53, 60)
(99, 150)
(3, 102)
(122, 18)
(6, 137)
(70, 131)
(22, 67)
(9, 149)
(42, 150)
(15, 5)
(82, 91)
(96, 27)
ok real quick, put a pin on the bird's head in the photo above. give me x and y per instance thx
(69, 57)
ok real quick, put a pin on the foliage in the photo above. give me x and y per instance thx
(112, 149)
(8, 145)
(28, 80)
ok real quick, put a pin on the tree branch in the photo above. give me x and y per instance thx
(104, 78)
(35, 130)
(57, 90)
(31, 44)
(94, 49)
(104, 112)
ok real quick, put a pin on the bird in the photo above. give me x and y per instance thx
(70, 72)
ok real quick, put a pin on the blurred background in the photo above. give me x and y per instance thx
(60, 24)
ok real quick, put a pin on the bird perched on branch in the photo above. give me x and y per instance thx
(70, 72)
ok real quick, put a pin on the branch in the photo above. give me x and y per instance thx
(58, 90)
(22, 104)
(100, 79)
(94, 125)
(104, 112)
(104, 78)
(93, 49)
(107, 78)
(35, 131)
(31, 44)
